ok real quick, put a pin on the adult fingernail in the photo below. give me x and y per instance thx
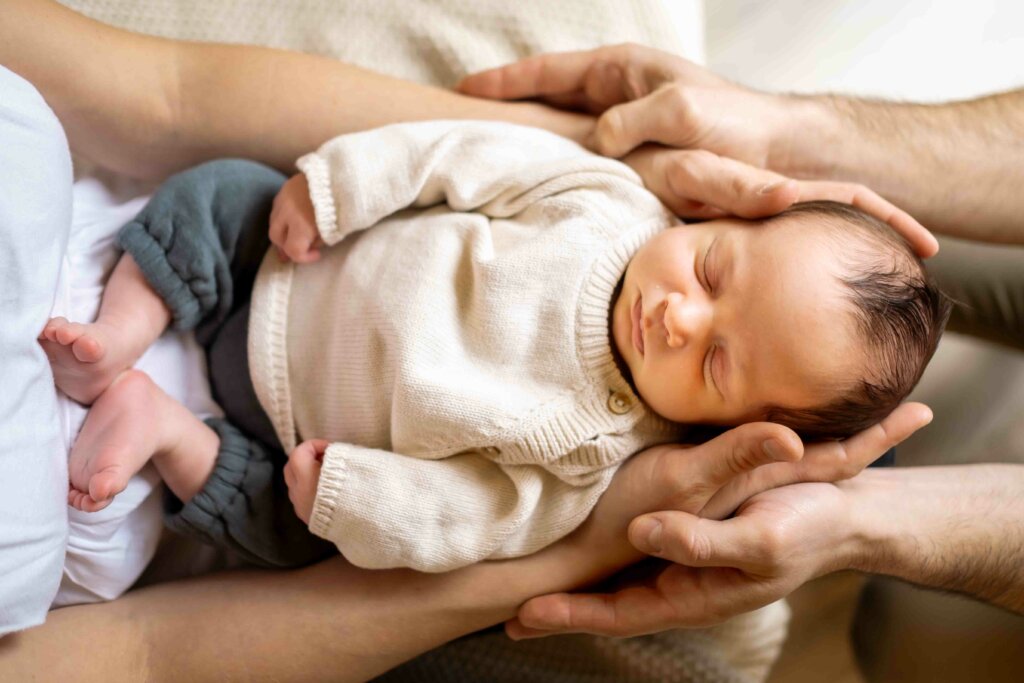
(773, 448)
(648, 532)
(771, 187)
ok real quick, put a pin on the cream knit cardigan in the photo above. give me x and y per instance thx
(456, 352)
(438, 41)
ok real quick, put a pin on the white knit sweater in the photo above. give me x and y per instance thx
(457, 353)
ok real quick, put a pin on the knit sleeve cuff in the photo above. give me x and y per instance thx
(384, 510)
(318, 177)
(329, 492)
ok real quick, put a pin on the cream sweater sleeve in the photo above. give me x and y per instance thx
(386, 510)
(495, 168)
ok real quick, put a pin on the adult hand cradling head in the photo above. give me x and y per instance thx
(790, 529)
(722, 137)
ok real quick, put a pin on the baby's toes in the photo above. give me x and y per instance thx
(105, 485)
(76, 499)
(68, 333)
(83, 502)
(90, 505)
(87, 349)
(49, 332)
(87, 504)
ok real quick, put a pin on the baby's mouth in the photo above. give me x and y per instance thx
(638, 329)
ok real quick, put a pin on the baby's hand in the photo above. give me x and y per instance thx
(293, 222)
(302, 474)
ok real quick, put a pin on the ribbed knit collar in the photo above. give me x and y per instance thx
(593, 334)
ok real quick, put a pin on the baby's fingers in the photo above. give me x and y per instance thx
(300, 241)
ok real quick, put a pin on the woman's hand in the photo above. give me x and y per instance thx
(293, 229)
(302, 475)
(780, 537)
(726, 134)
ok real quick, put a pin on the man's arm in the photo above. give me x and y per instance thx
(952, 528)
(954, 166)
(147, 106)
(957, 528)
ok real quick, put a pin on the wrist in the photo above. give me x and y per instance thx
(880, 533)
(594, 554)
(803, 134)
(575, 126)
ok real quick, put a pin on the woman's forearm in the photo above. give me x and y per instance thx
(147, 106)
(331, 620)
(953, 528)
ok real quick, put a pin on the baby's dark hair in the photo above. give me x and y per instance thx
(899, 314)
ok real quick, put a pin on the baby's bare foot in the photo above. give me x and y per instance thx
(86, 357)
(121, 433)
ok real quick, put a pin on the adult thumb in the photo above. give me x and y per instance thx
(746, 448)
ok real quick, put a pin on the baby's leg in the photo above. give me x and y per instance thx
(132, 422)
(244, 505)
(86, 357)
(182, 246)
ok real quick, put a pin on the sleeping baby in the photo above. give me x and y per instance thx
(458, 331)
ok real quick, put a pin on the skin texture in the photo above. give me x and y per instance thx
(734, 317)
(293, 230)
(302, 475)
(357, 623)
(132, 422)
(718, 320)
(87, 357)
(951, 528)
(167, 105)
(962, 184)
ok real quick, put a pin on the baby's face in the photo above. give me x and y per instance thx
(720, 320)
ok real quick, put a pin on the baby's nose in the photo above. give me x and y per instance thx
(686, 319)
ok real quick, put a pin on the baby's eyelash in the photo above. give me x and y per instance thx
(704, 267)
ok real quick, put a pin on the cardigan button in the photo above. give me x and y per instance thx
(619, 403)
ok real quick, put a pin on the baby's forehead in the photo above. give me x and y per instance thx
(791, 238)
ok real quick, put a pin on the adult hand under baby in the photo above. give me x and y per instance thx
(643, 95)
(789, 530)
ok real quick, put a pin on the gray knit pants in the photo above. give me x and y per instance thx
(199, 242)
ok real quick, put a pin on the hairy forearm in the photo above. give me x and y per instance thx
(331, 620)
(955, 166)
(957, 528)
(147, 107)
